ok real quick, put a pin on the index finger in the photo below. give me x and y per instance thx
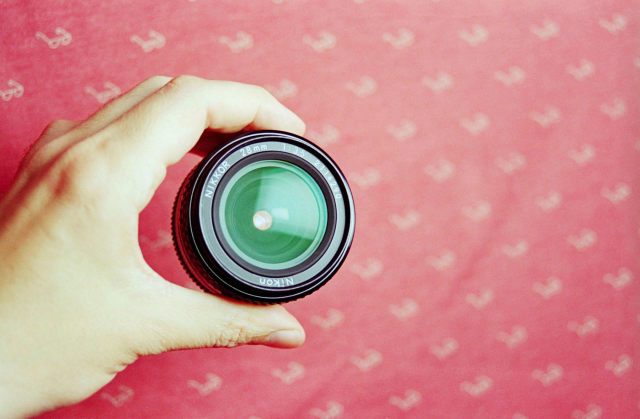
(160, 130)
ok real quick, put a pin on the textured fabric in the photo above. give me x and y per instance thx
(493, 149)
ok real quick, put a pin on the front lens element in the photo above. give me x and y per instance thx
(273, 214)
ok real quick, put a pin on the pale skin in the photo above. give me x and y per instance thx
(78, 302)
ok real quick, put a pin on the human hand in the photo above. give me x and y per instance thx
(78, 303)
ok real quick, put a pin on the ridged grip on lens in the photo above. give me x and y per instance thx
(183, 242)
(180, 232)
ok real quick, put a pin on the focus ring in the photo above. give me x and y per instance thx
(185, 249)
(180, 225)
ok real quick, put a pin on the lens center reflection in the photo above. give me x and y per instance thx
(262, 220)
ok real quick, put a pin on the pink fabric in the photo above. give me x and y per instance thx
(493, 149)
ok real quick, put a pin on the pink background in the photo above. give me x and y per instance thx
(493, 149)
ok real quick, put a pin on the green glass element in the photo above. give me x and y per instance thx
(273, 214)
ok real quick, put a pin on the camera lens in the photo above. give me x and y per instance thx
(267, 217)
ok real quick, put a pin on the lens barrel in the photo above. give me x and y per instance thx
(266, 218)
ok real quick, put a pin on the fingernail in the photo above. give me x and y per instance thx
(285, 339)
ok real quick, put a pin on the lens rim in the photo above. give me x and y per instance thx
(331, 214)
(195, 241)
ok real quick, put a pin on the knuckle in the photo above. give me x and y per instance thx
(157, 81)
(47, 147)
(229, 337)
(39, 156)
(238, 330)
(184, 82)
(262, 93)
(57, 126)
(78, 172)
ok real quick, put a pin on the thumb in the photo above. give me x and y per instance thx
(191, 319)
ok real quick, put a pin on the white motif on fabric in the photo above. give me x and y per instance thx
(552, 287)
(479, 211)
(477, 124)
(593, 412)
(441, 171)
(364, 87)
(286, 89)
(550, 202)
(367, 178)
(407, 309)
(325, 41)
(618, 194)
(517, 336)
(516, 250)
(15, 90)
(617, 24)
(615, 110)
(480, 301)
(548, 30)
(368, 270)
(515, 162)
(477, 35)
(334, 410)
(623, 279)
(583, 156)
(212, 382)
(104, 96)
(481, 385)
(553, 373)
(328, 135)
(405, 130)
(589, 326)
(515, 75)
(406, 221)
(125, 395)
(550, 116)
(164, 240)
(584, 240)
(242, 41)
(156, 41)
(294, 372)
(621, 366)
(403, 40)
(443, 262)
(368, 361)
(333, 319)
(411, 398)
(443, 81)
(443, 351)
(586, 69)
(63, 38)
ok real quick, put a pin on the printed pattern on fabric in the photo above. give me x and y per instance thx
(493, 149)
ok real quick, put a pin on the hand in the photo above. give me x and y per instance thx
(78, 303)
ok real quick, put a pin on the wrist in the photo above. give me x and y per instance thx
(15, 403)
(18, 399)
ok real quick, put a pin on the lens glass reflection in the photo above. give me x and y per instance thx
(273, 214)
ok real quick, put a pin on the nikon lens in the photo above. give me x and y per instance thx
(267, 217)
